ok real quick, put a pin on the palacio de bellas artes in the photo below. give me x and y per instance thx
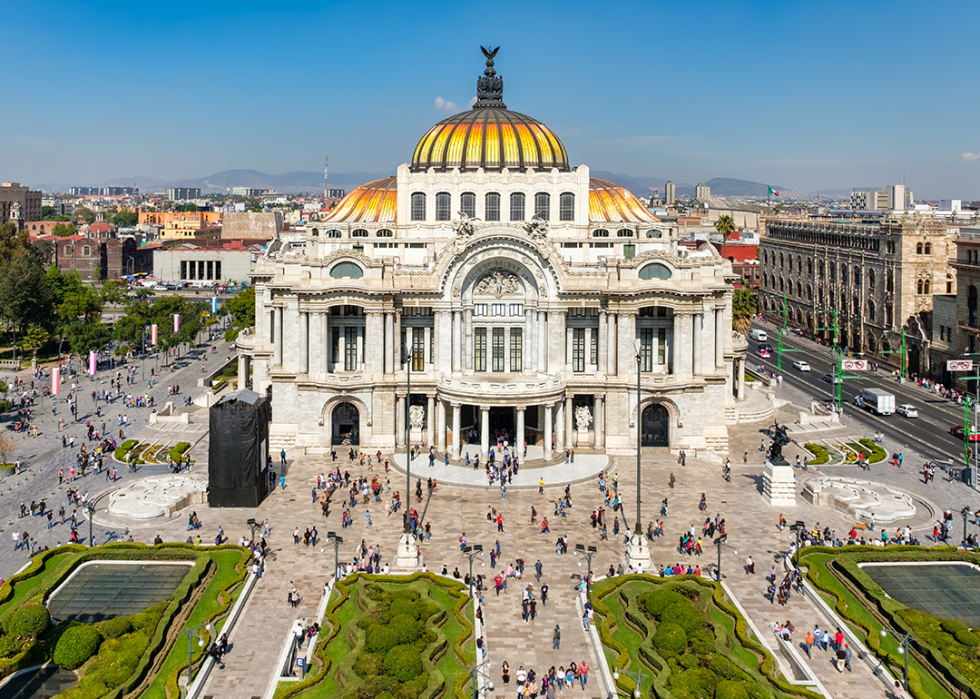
(505, 295)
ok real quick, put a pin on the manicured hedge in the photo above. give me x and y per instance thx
(76, 645)
(123, 449)
(877, 453)
(820, 454)
(178, 451)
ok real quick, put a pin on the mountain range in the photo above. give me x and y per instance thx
(303, 181)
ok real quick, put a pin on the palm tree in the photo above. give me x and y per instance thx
(726, 226)
(743, 308)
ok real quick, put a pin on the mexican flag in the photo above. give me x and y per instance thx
(773, 192)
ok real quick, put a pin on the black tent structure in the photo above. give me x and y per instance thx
(238, 453)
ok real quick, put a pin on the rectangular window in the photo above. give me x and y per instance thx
(594, 349)
(183, 269)
(272, 326)
(200, 269)
(210, 269)
(517, 309)
(498, 309)
(516, 349)
(479, 349)
(661, 346)
(498, 349)
(418, 349)
(479, 309)
(629, 251)
(517, 206)
(646, 349)
(493, 206)
(217, 269)
(578, 349)
(350, 348)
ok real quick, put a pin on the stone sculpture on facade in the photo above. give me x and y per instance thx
(583, 418)
(416, 417)
(465, 225)
(537, 227)
(499, 283)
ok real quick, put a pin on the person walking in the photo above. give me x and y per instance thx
(282, 481)
(282, 457)
(537, 570)
(367, 518)
(556, 638)
(808, 643)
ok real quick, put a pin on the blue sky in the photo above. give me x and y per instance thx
(798, 94)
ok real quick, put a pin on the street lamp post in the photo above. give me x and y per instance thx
(719, 542)
(190, 647)
(476, 670)
(639, 435)
(903, 650)
(336, 541)
(797, 527)
(90, 510)
(472, 552)
(253, 525)
(637, 675)
(587, 554)
(966, 514)
(408, 437)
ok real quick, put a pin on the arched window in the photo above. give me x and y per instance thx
(971, 306)
(809, 266)
(418, 206)
(334, 233)
(843, 274)
(624, 233)
(927, 286)
(654, 233)
(780, 284)
(820, 268)
(888, 315)
(444, 207)
(566, 207)
(346, 270)
(655, 271)
(949, 284)
(517, 206)
(889, 281)
(871, 310)
(918, 287)
(857, 276)
(918, 248)
(781, 261)
(542, 206)
(600, 233)
(467, 203)
(316, 232)
(384, 233)
(799, 263)
(871, 279)
(493, 206)
(833, 272)
(809, 292)
(359, 233)
(799, 290)
(928, 249)
(856, 306)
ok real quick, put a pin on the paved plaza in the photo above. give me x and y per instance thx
(454, 510)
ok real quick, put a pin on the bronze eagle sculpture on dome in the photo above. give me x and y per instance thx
(489, 53)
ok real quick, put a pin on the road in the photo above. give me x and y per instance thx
(929, 433)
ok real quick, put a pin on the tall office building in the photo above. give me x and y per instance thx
(670, 194)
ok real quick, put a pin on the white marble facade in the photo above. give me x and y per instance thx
(514, 324)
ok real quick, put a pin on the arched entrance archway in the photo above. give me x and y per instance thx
(655, 426)
(346, 420)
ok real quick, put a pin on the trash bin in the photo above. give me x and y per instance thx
(969, 476)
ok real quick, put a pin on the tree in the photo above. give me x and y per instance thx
(242, 310)
(24, 295)
(34, 339)
(125, 218)
(726, 226)
(84, 213)
(743, 308)
(88, 336)
(7, 445)
(114, 293)
(63, 230)
(46, 211)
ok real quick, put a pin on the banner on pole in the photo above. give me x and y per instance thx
(176, 322)
(959, 365)
(153, 334)
(214, 304)
(92, 362)
(55, 382)
(854, 365)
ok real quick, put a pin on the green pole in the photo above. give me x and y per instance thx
(966, 431)
(905, 360)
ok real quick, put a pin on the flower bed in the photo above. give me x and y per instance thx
(820, 454)
(945, 654)
(392, 636)
(688, 638)
(877, 453)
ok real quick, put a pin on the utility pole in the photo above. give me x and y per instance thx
(779, 339)
(904, 352)
(838, 366)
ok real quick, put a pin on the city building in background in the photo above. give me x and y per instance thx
(183, 193)
(19, 204)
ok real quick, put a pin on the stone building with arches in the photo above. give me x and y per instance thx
(514, 292)
(879, 277)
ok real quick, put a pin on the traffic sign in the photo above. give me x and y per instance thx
(854, 365)
(959, 365)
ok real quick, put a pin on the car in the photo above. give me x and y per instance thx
(830, 378)
(764, 353)
(158, 287)
(907, 410)
(957, 431)
(171, 287)
(767, 348)
(801, 366)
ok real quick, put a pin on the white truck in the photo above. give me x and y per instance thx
(876, 401)
(758, 335)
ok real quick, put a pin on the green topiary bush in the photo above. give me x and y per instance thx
(76, 645)
(688, 660)
(403, 663)
(967, 638)
(28, 621)
(656, 602)
(382, 639)
(114, 628)
(406, 629)
(698, 683)
(953, 625)
(670, 639)
(405, 607)
(820, 455)
(727, 689)
(684, 615)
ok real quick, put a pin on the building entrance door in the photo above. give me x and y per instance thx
(346, 425)
(655, 426)
(502, 419)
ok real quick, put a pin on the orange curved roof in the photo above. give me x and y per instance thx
(610, 202)
(491, 138)
(374, 202)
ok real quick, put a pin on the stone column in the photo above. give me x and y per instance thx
(304, 342)
(556, 340)
(242, 370)
(398, 352)
(740, 376)
(569, 339)
(677, 363)
(426, 349)
(441, 425)
(519, 432)
(720, 338)
(542, 341)
(468, 339)
(436, 337)
(484, 432)
(569, 422)
(601, 340)
(560, 427)
(430, 421)
(325, 338)
(389, 343)
(698, 320)
(456, 428)
(611, 344)
(688, 334)
(457, 341)
(529, 350)
(599, 421)
(277, 343)
(547, 432)
(374, 338)
(400, 421)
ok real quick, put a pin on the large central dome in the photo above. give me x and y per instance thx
(489, 136)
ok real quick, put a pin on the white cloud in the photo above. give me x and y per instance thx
(970, 157)
(472, 100)
(446, 105)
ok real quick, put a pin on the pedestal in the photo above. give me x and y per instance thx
(779, 485)
(415, 434)
(582, 438)
(638, 553)
(408, 555)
